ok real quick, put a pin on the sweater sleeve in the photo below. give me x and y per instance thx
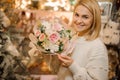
(96, 68)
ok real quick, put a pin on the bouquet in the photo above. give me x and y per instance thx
(52, 36)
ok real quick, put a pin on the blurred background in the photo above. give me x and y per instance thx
(18, 18)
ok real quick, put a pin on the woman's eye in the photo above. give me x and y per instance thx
(76, 14)
(86, 17)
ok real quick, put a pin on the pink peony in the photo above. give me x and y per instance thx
(37, 33)
(42, 37)
(54, 37)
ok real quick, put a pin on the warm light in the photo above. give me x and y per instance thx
(55, 8)
(28, 15)
(45, 67)
(1, 9)
(17, 3)
(67, 8)
(22, 4)
(58, 4)
(52, 4)
(63, 3)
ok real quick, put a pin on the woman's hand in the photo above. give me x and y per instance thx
(65, 60)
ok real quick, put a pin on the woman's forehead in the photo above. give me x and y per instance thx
(82, 10)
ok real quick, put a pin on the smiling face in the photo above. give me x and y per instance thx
(82, 19)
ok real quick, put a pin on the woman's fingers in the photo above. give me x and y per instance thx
(66, 60)
(63, 58)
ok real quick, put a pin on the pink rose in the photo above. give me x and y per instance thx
(54, 37)
(57, 27)
(42, 37)
(37, 33)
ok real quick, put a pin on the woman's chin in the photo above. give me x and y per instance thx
(79, 30)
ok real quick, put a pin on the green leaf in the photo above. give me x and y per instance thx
(39, 43)
(42, 29)
(60, 47)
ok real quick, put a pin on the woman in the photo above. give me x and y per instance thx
(88, 60)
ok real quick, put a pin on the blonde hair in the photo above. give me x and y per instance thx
(93, 7)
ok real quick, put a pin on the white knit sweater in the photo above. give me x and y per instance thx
(90, 62)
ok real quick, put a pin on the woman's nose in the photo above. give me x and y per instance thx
(79, 20)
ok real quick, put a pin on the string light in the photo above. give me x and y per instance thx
(22, 4)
